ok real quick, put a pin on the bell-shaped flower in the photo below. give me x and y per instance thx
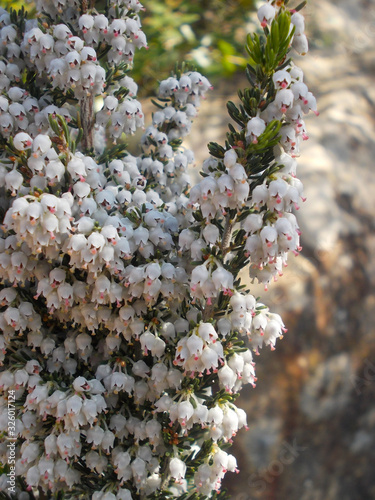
(266, 13)
(253, 223)
(177, 468)
(254, 128)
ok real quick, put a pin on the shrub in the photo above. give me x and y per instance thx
(126, 332)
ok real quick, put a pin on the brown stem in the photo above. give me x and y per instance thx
(84, 6)
(229, 223)
(165, 476)
(208, 312)
(87, 122)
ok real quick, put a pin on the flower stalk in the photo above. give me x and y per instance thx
(87, 122)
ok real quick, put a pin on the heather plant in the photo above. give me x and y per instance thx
(126, 333)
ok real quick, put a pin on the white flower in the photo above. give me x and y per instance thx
(207, 332)
(253, 223)
(255, 127)
(209, 358)
(284, 99)
(282, 79)
(177, 468)
(211, 233)
(13, 181)
(195, 346)
(95, 435)
(22, 141)
(260, 195)
(266, 13)
(230, 158)
(182, 412)
(227, 377)
(123, 495)
(33, 476)
(89, 409)
(80, 384)
(6, 379)
(73, 405)
(109, 496)
(120, 381)
(223, 279)
(138, 468)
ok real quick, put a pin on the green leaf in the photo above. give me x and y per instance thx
(300, 6)
(193, 402)
(216, 150)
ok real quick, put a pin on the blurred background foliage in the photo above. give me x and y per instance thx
(209, 33)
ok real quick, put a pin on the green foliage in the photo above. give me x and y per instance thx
(209, 33)
(16, 5)
(268, 54)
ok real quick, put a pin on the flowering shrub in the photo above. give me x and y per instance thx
(126, 333)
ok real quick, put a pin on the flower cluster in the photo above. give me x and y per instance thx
(268, 11)
(270, 228)
(121, 310)
(187, 90)
(124, 117)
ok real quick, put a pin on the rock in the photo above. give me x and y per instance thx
(329, 388)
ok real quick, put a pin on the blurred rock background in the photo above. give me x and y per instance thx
(312, 414)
